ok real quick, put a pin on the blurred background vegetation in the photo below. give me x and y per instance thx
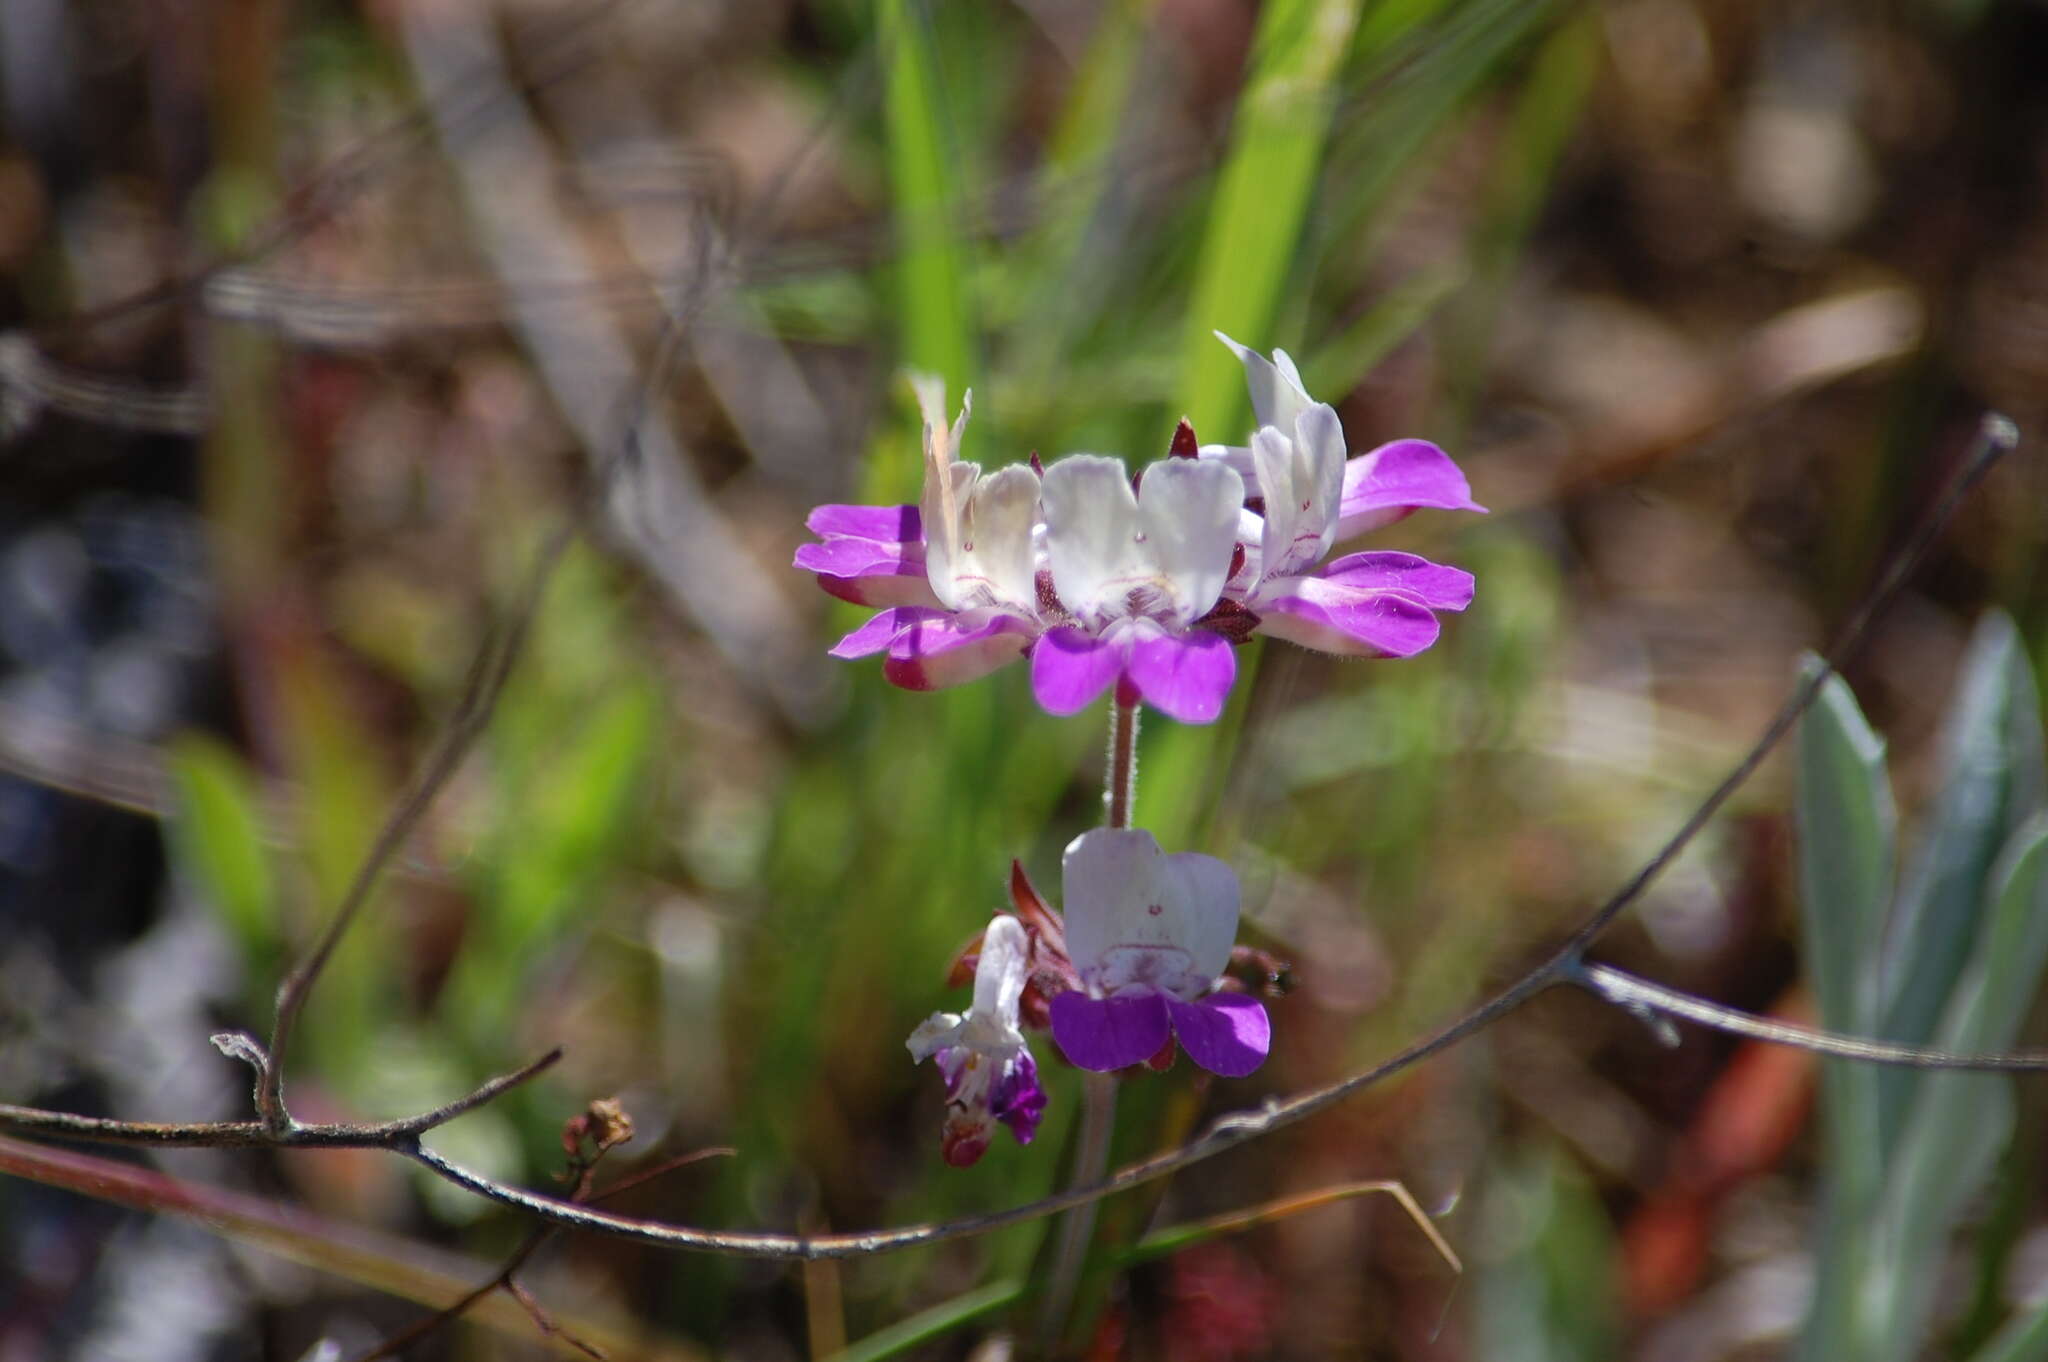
(322, 319)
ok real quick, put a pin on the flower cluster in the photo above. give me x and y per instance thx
(1101, 580)
(1136, 962)
(1143, 585)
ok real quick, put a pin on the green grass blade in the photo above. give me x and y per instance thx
(937, 1322)
(931, 258)
(1546, 113)
(1337, 365)
(1276, 150)
(1995, 992)
(1417, 78)
(216, 838)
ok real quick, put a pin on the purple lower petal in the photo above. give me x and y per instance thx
(939, 651)
(1109, 1033)
(869, 573)
(1346, 620)
(898, 523)
(1435, 585)
(1225, 1033)
(876, 634)
(1017, 1100)
(1070, 668)
(1185, 676)
(1385, 484)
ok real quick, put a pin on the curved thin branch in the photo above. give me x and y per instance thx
(395, 1135)
(1632, 993)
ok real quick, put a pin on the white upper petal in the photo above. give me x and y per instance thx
(1208, 895)
(1137, 917)
(1238, 457)
(945, 484)
(1303, 481)
(988, 557)
(1188, 513)
(1284, 362)
(990, 1026)
(1000, 973)
(1091, 528)
(1277, 395)
(1273, 453)
(931, 404)
(940, 514)
(1160, 553)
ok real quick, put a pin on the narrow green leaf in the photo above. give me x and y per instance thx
(1939, 1167)
(562, 835)
(1960, 1123)
(216, 837)
(1991, 782)
(335, 767)
(1845, 826)
(1996, 991)
(1546, 113)
(569, 808)
(1420, 73)
(1338, 364)
(931, 257)
(938, 1321)
(1276, 148)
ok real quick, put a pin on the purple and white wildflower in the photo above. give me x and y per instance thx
(990, 1075)
(1303, 495)
(1134, 570)
(956, 575)
(1149, 935)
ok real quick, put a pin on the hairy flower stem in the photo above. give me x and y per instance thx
(1098, 1091)
(1120, 782)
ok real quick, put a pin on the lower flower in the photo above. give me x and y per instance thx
(990, 1075)
(1149, 936)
